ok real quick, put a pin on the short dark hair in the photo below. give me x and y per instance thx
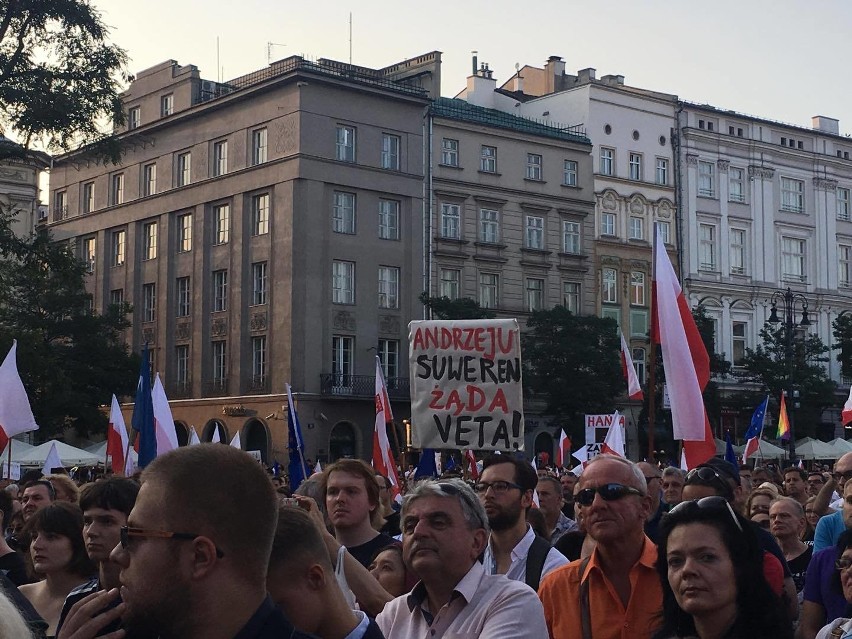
(795, 469)
(297, 541)
(66, 519)
(6, 507)
(51, 491)
(525, 475)
(354, 467)
(114, 493)
(553, 480)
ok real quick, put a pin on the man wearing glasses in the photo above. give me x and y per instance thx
(831, 525)
(506, 492)
(615, 592)
(444, 530)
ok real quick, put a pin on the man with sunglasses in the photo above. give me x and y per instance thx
(831, 525)
(615, 592)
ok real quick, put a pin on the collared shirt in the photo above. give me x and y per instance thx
(488, 606)
(560, 594)
(366, 628)
(518, 567)
(268, 622)
(563, 525)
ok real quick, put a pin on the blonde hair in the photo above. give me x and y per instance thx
(12, 624)
(63, 483)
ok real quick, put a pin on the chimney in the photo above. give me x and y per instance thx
(825, 124)
(554, 69)
(585, 75)
(474, 61)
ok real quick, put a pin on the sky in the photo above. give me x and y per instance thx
(784, 60)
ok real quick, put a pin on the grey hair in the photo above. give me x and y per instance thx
(673, 471)
(638, 475)
(800, 512)
(472, 508)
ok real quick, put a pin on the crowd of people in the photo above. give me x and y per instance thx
(206, 544)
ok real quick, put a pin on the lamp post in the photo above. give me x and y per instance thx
(789, 299)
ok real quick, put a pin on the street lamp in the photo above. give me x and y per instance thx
(789, 299)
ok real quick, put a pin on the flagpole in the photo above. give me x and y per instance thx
(652, 374)
(9, 467)
(299, 443)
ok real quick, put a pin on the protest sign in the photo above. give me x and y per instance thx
(466, 388)
(596, 430)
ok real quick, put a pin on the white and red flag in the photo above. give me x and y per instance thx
(685, 359)
(563, 451)
(164, 424)
(470, 461)
(16, 416)
(382, 454)
(117, 441)
(634, 389)
(847, 409)
(613, 443)
(193, 437)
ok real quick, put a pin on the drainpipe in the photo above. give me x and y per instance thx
(427, 205)
(676, 148)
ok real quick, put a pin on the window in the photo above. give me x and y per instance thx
(613, 313)
(571, 237)
(258, 360)
(533, 166)
(489, 285)
(258, 146)
(389, 358)
(258, 283)
(149, 237)
(342, 363)
(843, 204)
(706, 247)
(792, 195)
(706, 180)
(608, 224)
(489, 226)
(571, 296)
(220, 363)
(343, 282)
(535, 294)
(119, 247)
(569, 173)
(488, 159)
(792, 259)
(450, 283)
(117, 194)
(390, 151)
(635, 166)
(844, 262)
(183, 297)
(449, 152)
(535, 232)
(736, 184)
(637, 288)
(88, 197)
(639, 356)
(260, 214)
(665, 230)
(149, 302)
(637, 228)
(134, 116)
(116, 297)
(738, 251)
(222, 221)
(638, 323)
(220, 290)
(184, 167)
(149, 179)
(606, 161)
(738, 341)
(182, 365)
(60, 205)
(661, 175)
(388, 287)
(388, 219)
(184, 232)
(220, 158)
(167, 105)
(89, 254)
(609, 285)
(345, 144)
(343, 213)
(450, 221)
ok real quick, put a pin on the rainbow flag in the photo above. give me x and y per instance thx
(783, 422)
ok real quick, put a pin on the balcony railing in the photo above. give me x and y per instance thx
(361, 386)
(215, 387)
(259, 384)
(180, 390)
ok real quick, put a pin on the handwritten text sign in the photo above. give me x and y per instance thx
(596, 429)
(466, 387)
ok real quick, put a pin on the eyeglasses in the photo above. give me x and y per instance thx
(713, 502)
(608, 492)
(472, 502)
(127, 532)
(843, 564)
(499, 487)
(706, 475)
(845, 476)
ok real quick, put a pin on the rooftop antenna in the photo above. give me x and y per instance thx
(350, 38)
(218, 68)
(269, 46)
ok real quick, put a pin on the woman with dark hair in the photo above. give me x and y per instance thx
(59, 559)
(710, 563)
(389, 570)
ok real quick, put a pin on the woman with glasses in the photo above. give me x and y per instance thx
(842, 582)
(59, 559)
(711, 566)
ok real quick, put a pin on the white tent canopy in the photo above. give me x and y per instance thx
(69, 455)
(766, 450)
(809, 448)
(840, 446)
(99, 451)
(19, 449)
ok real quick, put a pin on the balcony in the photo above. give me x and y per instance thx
(361, 386)
(216, 387)
(259, 384)
(180, 390)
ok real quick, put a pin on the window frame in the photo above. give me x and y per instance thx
(345, 143)
(606, 161)
(220, 158)
(259, 283)
(389, 219)
(149, 302)
(150, 239)
(609, 285)
(260, 214)
(183, 296)
(572, 237)
(534, 232)
(661, 171)
(343, 273)
(184, 232)
(389, 277)
(118, 247)
(635, 166)
(534, 293)
(259, 146)
(390, 157)
(183, 169)
(343, 211)
(792, 199)
(449, 153)
(706, 179)
(450, 212)
(487, 159)
(489, 289)
(450, 285)
(535, 167)
(489, 226)
(569, 173)
(708, 247)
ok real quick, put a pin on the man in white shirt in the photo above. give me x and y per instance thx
(506, 490)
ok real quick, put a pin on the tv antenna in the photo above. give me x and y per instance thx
(269, 46)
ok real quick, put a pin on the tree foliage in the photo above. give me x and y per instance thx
(60, 77)
(444, 308)
(842, 331)
(70, 359)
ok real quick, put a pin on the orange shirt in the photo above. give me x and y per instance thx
(560, 595)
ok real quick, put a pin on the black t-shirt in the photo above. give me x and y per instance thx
(365, 552)
(12, 565)
(799, 566)
(391, 526)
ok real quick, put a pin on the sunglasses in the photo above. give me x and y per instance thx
(708, 476)
(713, 502)
(843, 564)
(127, 532)
(608, 492)
(472, 501)
(843, 476)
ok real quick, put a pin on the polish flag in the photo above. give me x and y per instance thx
(613, 443)
(236, 443)
(117, 441)
(164, 425)
(563, 452)
(685, 359)
(634, 390)
(471, 463)
(847, 409)
(382, 455)
(16, 416)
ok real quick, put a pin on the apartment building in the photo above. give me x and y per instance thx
(267, 230)
(20, 172)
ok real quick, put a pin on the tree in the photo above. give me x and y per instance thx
(60, 78)
(444, 308)
(842, 331)
(572, 363)
(71, 359)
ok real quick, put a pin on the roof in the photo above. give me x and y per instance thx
(457, 109)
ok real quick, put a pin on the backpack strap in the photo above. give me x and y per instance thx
(535, 562)
(585, 610)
